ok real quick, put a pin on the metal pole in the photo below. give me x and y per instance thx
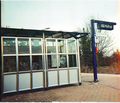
(78, 58)
(1, 75)
(93, 51)
(44, 63)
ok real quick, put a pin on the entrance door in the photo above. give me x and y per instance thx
(62, 62)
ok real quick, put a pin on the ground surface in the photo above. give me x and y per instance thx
(106, 90)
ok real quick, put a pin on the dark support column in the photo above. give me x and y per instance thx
(93, 51)
(0, 81)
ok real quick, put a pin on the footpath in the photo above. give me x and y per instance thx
(106, 90)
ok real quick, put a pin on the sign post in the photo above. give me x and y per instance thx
(100, 25)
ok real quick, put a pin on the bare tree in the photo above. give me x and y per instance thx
(106, 44)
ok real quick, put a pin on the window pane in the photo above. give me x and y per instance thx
(62, 61)
(71, 46)
(36, 46)
(36, 62)
(24, 63)
(61, 46)
(9, 63)
(9, 46)
(23, 46)
(51, 46)
(52, 61)
(72, 60)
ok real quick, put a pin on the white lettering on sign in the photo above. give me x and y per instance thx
(106, 26)
(102, 25)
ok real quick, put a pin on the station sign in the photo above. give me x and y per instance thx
(105, 25)
(100, 25)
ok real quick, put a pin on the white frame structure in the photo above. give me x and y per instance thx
(42, 78)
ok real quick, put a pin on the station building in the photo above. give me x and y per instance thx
(33, 59)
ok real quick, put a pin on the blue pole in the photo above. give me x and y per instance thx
(93, 51)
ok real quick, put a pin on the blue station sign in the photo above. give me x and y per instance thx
(105, 25)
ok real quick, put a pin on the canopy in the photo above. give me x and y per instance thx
(39, 33)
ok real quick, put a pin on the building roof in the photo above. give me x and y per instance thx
(39, 33)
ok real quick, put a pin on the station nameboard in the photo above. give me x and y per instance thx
(105, 25)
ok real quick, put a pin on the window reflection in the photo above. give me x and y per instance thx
(62, 61)
(36, 62)
(51, 46)
(23, 46)
(9, 63)
(52, 61)
(61, 46)
(24, 63)
(71, 46)
(36, 45)
(9, 46)
(72, 60)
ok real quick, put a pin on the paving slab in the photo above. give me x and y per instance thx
(87, 92)
(111, 80)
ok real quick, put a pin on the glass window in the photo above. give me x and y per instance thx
(9, 46)
(62, 61)
(71, 46)
(36, 62)
(9, 63)
(72, 60)
(51, 46)
(23, 46)
(24, 63)
(61, 46)
(52, 61)
(36, 45)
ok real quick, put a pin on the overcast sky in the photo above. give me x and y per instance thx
(66, 15)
